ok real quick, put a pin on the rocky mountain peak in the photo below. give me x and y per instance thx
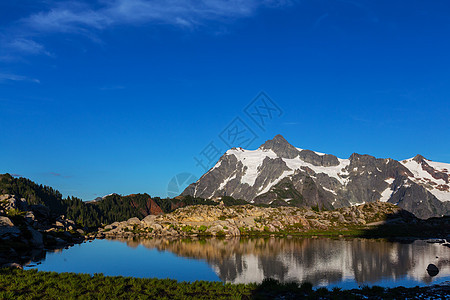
(277, 141)
(419, 158)
(280, 174)
(281, 147)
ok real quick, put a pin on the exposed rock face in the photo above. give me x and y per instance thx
(151, 208)
(278, 173)
(154, 208)
(9, 202)
(325, 160)
(281, 147)
(249, 219)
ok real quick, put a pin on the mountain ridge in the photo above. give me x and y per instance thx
(276, 169)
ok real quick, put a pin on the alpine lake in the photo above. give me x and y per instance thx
(344, 263)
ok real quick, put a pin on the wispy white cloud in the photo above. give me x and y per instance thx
(4, 77)
(27, 46)
(70, 17)
(66, 17)
(90, 18)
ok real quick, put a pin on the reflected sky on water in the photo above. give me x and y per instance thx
(345, 263)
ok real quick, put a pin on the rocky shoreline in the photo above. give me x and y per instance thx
(247, 220)
(28, 231)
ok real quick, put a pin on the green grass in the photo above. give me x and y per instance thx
(31, 284)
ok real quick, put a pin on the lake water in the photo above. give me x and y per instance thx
(346, 263)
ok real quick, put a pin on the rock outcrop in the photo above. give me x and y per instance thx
(203, 220)
(25, 230)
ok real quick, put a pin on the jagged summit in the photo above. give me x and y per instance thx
(419, 158)
(279, 173)
(281, 147)
(276, 141)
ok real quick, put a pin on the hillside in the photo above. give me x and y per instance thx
(92, 214)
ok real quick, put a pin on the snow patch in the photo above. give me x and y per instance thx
(252, 160)
(224, 183)
(273, 183)
(332, 171)
(420, 176)
(386, 194)
(443, 196)
(418, 172)
(329, 190)
(441, 167)
(390, 181)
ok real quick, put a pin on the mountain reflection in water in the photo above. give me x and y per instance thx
(345, 263)
(319, 261)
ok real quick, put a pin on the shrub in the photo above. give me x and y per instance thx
(220, 233)
(15, 213)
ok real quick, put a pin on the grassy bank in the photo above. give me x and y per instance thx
(19, 284)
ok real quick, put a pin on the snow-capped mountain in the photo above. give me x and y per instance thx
(279, 173)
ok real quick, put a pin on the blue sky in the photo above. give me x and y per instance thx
(120, 95)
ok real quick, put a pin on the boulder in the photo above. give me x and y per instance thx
(133, 221)
(40, 211)
(7, 228)
(13, 266)
(149, 220)
(432, 270)
(5, 221)
(108, 227)
(37, 239)
(30, 216)
(157, 227)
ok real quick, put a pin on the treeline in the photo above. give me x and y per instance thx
(116, 207)
(32, 192)
(110, 209)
